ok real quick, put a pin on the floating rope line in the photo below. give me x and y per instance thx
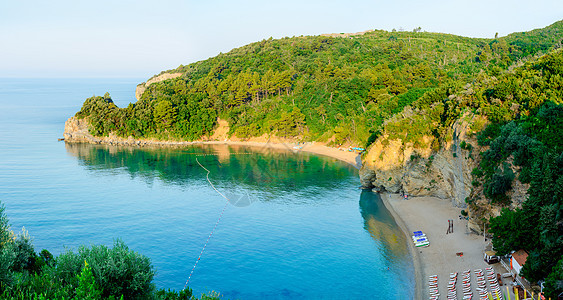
(222, 211)
(214, 227)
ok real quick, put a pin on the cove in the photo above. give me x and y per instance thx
(299, 227)
(295, 225)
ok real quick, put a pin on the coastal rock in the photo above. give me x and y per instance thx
(143, 86)
(76, 131)
(394, 166)
(391, 165)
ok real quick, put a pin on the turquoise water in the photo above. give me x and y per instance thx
(296, 225)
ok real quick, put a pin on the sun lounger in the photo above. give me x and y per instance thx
(419, 240)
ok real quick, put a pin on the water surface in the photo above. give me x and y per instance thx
(296, 225)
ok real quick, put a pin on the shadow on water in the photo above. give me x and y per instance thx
(382, 227)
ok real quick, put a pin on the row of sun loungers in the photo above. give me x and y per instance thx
(481, 284)
(493, 283)
(419, 239)
(466, 285)
(433, 287)
(452, 293)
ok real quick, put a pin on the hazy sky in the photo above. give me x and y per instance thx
(126, 38)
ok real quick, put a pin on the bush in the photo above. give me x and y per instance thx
(499, 184)
(25, 257)
(118, 270)
(173, 295)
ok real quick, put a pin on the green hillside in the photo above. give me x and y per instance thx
(393, 85)
(313, 87)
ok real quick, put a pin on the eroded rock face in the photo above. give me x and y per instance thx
(76, 130)
(143, 86)
(397, 167)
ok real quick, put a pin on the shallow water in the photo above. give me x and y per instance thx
(295, 224)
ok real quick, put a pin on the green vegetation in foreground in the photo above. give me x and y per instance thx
(314, 87)
(96, 272)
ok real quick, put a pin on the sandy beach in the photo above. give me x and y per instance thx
(351, 158)
(431, 216)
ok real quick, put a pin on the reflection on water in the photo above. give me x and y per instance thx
(251, 168)
(381, 225)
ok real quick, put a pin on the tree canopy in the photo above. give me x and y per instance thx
(328, 87)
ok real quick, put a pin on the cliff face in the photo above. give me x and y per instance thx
(396, 167)
(76, 131)
(143, 86)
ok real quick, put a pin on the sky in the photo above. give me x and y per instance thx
(126, 38)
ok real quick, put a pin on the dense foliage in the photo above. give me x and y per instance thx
(524, 112)
(526, 108)
(96, 272)
(315, 87)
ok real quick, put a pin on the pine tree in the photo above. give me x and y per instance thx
(87, 288)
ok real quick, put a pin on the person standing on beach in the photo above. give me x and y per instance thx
(450, 226)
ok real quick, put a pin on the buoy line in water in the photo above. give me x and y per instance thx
(227, 200)
(216, 223)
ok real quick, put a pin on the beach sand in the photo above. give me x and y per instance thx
(351, 158)
(431, 215)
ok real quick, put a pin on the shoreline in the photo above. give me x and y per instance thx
(419, 289)
(351, 158)
(431, 215)
(76, 131)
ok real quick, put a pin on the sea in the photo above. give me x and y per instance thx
(260, 223)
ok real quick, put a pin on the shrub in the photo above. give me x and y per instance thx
(174, 295)
(118, 270)
(499, 184)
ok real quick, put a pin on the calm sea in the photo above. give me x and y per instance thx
(295, 226)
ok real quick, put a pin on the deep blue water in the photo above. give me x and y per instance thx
(296, 226)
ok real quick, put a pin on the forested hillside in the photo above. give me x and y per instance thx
(313, 87)
(518, 118)
(410, 87)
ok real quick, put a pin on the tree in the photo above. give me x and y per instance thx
(5, 233)
(87, 288)
(117, 270)
(165, 114)
(554, 282)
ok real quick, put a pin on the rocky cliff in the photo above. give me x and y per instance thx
(391, 165)
(76, 131)
(143, 86)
